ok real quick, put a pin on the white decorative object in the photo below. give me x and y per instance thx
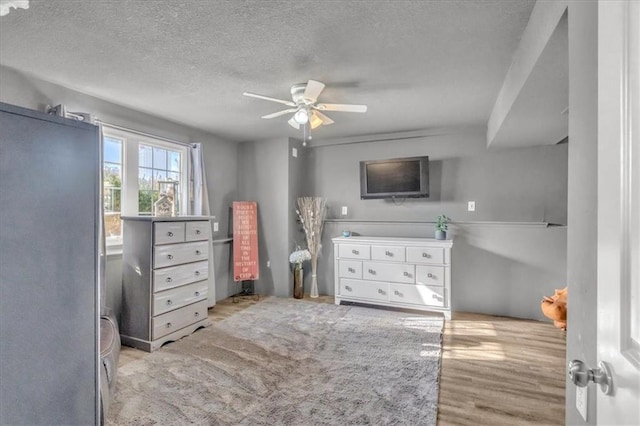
(410, 273)
(7, 5)
(311, 211)
(163, 207)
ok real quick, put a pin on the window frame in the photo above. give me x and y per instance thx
(130, 173)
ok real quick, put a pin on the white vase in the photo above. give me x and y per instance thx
(314, 286)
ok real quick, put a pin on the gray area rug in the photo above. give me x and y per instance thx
(290, 362)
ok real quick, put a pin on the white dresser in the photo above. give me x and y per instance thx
(165, 278)
(410, 273)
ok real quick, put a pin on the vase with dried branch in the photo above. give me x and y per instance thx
(311, 212)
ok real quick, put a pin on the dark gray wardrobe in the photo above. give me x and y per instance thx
(49, 206)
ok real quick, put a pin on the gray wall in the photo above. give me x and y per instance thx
(220, 158)
(514, 184)
(504, 258)
(263, 176)
(582, 204)
(298, 187)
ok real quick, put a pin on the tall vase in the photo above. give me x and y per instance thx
(314, 277)
(314, 286)
(298, 282)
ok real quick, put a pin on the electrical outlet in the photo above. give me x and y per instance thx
(294, 152)
(582, 396)
(344, 210)
(215, 226)
(471, 206)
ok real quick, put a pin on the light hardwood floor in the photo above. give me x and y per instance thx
(495, 370)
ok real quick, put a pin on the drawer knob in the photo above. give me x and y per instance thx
(197, 293)
(381, 291)
(353, 271)
(197, 314)
(169, 256)
(397, 293)
(388, 253)
(435, 296)
(198, 232)
(406, 274)
(430, 275)
(197, 273)
(355, 252)
(169, 302)
(198, 252)
(427, 255)
(346, 287)
(372, 272)
(168, 325)
(169, 234)
(168, 279)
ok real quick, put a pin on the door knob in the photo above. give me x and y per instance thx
(580, 375)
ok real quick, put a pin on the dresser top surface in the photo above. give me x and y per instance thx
(167, 218)
(404, 241)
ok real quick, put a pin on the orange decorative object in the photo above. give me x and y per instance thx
(555, 307)
(245, 241)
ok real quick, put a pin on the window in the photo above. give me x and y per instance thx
(136, 170)
(112, 186)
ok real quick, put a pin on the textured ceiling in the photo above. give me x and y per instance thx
(416, 64)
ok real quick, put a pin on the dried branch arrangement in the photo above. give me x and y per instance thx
(312, 211)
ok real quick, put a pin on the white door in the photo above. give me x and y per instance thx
(619, 209)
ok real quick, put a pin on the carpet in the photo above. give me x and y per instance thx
(290, 362)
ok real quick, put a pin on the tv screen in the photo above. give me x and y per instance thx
(395, 178)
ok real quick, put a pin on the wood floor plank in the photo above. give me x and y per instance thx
(495, 370)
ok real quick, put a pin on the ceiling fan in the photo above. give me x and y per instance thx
(305, 107)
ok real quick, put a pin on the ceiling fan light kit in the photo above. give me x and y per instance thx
(301, 116)
(305, 107)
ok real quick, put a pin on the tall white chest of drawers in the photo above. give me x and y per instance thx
(412, 273)
(165, 279)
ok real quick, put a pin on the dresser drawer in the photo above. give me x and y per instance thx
(430, 275)
(394, 253)
(392, 272)
(198, 231)
(168, 232)
(177, 319)
(174, 298)
(417, 295)
(354, 251)
(425, 255)
(176, 254)
(350, 269)
(364, 289)
(176, 276)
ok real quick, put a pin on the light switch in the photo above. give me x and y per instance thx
(215, 226)
(471, 206)
(344, 210)
(294, 152)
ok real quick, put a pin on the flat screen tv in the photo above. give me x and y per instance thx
(395, 178)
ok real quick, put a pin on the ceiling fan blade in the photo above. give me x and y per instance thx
(293, 123)
(313, 90)
(341, 107)
(279, 113)
(267, 98)
(325, 120)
